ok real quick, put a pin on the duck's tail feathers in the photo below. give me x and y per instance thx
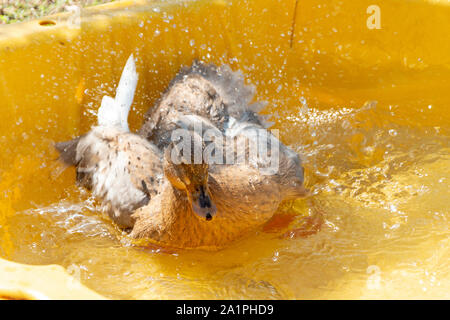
(231, 86)
(68, 151)
(126, 88)
(114, 112)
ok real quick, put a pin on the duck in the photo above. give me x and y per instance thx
(163, 195)
(202, 99)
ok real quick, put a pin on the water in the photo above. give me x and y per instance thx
(374, 140)
(383, 197)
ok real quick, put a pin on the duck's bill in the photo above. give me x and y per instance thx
(203, 205)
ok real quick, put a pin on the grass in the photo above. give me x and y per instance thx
(20, 10)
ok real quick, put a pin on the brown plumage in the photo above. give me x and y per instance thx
(213, 93)
(214, 98)
(179, 203)
(244, 199)
(123, 170)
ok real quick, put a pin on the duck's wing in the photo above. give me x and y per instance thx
(214, 93)
(186, 95)
(68, 151)
(123, 170)
(144, 164)
(230, 86)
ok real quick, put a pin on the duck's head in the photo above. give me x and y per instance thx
(191, 178)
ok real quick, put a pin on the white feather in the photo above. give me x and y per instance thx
(107, 115)
(114, 112)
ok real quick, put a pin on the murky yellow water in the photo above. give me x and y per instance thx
(379, 172)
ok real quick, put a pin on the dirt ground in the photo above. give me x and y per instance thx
(19, 10)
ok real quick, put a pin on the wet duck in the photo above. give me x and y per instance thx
(174, 200)
(244, 194)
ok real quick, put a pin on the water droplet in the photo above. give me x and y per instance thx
(393, 208)
(392, 133)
